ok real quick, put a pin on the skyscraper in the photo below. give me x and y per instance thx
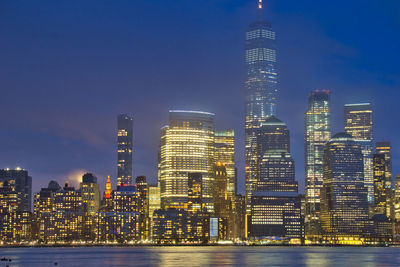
(261, 90)
(385, 148)
(275, 204)
(187, 146)
(90, 193)
(317, 133)
(381, 192)
(125, 146)
(225, 153)
(358, 123)
(344, 204)
(20, 182)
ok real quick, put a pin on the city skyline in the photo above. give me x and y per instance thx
(82, 138)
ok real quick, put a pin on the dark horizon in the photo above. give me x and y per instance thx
(70, 68)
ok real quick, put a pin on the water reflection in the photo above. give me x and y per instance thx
(204, 256)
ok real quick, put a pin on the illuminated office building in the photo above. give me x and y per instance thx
(381, 192)
(261, 90)
(317, 134)
(142, 189)
(225, 153)
(277, 172)
(119, 227)
(358, 123)
(396, 207)
(223, 202)
(43, 210)
(195, 192)
(21, 183)
(125, 146)
(187, 145)
(15, 223)
(68, 215)
(154, 203)
(124, 199)
(344, 203)
(384, 147)
(272, 135)
(90, 193)
(170, 225)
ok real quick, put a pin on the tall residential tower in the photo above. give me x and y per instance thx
(125, 146)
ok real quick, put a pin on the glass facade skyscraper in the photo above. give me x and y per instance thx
(344, 204)
(261, 90)
(275, 204)
(316, 134)
(125, 146)
(358, 123)
(187, 146)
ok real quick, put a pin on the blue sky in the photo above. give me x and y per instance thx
(67, 68)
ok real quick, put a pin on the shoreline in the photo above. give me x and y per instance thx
(185, 245)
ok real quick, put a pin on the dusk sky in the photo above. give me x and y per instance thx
(68, 68)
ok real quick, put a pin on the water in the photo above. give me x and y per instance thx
(202, 256)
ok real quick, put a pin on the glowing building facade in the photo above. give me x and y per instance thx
(187, 146)
(125, 146)
(261, 90)
(344, 204)
(358, 123)
(316, 134)
(225, 153)
(21, 183)
(384, 147)
(381, 192)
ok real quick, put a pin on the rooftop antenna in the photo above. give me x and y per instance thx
(260, 6)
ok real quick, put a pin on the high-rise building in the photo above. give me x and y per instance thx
(187, 145)
(68, 216)
(125, 146)
(44, 209)
(142, 189)
(275, 204)
(223, 202)
(15, 223)
(273, 135)
(225, 153)
(385, 148)
(344, 203)
(277, 172)
(261, 90)
(317, 133)
(381, 192)
(154, 204)
(90, 193)
(124, 199)
(21, 183)
(358, 123)
(396, 207)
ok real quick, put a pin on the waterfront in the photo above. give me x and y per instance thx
(203, 256)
